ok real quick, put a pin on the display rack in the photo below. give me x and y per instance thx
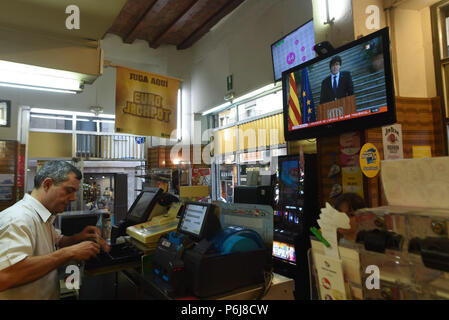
(405, 249)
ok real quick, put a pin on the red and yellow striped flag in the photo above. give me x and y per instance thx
(294, 109)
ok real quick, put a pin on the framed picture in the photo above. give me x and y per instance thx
(5, 113)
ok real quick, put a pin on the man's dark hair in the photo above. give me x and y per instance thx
(354, 201)
(334, 60)
(56, 170)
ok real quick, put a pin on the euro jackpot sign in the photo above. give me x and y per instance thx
(146, 103)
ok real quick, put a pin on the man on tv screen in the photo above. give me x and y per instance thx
(338, 85)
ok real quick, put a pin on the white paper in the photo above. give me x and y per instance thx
(330, 277)
(331, 219)
(416, 182)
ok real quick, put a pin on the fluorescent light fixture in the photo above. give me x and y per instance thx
(273, 87)
(254, 93)
(10, 85)
(50, 117)
(179, 116)
(65, 112)
(24, 76)
(217, 108)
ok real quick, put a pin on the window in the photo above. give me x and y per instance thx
(5, 113)
(50, 121)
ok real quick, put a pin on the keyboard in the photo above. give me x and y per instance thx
(120, 253)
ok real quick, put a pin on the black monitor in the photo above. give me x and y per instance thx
(254, 195)
(199, 221)
(143, 205)
(361, 96)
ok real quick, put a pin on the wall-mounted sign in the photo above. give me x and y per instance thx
(421, 152)
(349, 149)
(392, 142)
(352, 180)
(145, 103)
(369, 160)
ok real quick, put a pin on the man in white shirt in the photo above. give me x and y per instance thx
(30, 248)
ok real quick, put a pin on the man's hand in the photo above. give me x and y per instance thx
(83, 250)
(92, 233)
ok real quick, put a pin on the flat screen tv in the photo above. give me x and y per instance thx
(293, 49)
(361, 96)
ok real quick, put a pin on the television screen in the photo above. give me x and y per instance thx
(293, 49)
(347, 89)
(284, 251)
(193, 219)
(290, 181)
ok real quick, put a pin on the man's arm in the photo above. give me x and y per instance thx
(34, 267)
(89, 233)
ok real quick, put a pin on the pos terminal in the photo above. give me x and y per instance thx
(203, 259)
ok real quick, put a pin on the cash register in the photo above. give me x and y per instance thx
(151, 202)
(204, 259)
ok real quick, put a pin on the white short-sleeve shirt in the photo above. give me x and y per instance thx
(26, 229)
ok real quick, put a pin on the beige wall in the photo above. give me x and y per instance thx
(411, 45)
(342, 30)
(414, 53)
(49, 145)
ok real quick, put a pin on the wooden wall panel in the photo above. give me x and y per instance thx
(422, 125)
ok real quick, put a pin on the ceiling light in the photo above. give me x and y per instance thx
(216, 109)
(59, 112)
(24, 76)
(254, 93)
(10, 85)
(50, 117)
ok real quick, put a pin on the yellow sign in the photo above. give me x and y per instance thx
(145, 103)
(369, 160)
(352, 180)
(421, 152)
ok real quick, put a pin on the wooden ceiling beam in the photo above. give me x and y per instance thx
(157, 41)
(134, 30)
(203, 29)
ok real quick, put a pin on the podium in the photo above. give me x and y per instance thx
(336, 108)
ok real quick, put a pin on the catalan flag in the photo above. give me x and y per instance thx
(308, 107)
(294, 109)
